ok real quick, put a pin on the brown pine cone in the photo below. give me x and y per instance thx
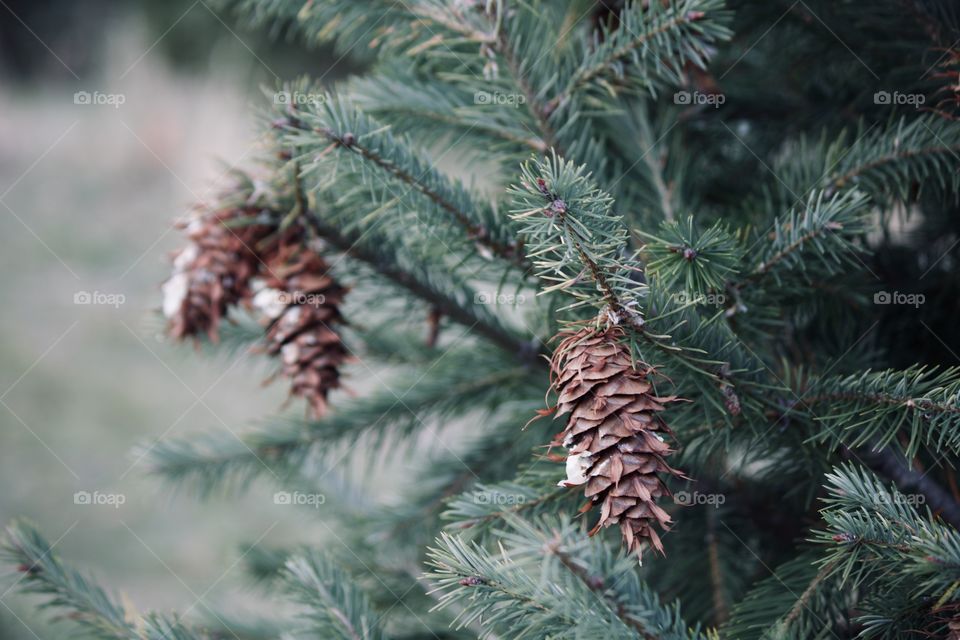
(213, 272)
(613, 435)
(953, 627)
(301, 302)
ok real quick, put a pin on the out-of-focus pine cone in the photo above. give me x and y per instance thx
(214, 271)
(301, 302)
(615, 434)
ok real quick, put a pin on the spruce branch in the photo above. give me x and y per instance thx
(457, 377)
(874, 407)
(419, 106)
(546, 596)
(897, 468)
(336, 607)
(821, 233)
(539, 111)
(649, 46)
(871, 528)
(423, 286)
(894, 162)
(574, 239)
(697, 261)
(322, 134)
(389, 261)
(798, 601)
(76, 596)
(564, 542)
(405, 27)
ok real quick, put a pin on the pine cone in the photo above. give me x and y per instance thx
(212, 273)
(301, 301)
(614, 433)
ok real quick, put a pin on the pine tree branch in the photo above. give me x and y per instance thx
(595, 584)
(352, 245)
(396, 175)
(720, 612)
(803, 602)
(40, 572)
(571, 233)
(822, 230)
(337, 608)
(649, 45)
(896, 468)
(621, 52)
(475, 231)
(874, 407)
(476, 377)
(539, 111)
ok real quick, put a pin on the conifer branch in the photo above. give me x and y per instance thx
(391, 415)
(874, 407)
(651, 42)
(337, 608)
(537, 109)
(896, 468)
(453, 308)
(76, 596)
(337, 127)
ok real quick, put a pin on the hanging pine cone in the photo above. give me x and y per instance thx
(613, 434)
(301, 302)
(213, 272)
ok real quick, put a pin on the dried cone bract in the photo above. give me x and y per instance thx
(213, 272)
(614, 433)
(301, 301)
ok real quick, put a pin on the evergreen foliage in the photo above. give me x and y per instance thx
(752, 194)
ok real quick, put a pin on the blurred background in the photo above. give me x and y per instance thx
(116, 117)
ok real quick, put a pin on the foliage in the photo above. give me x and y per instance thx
(748, 190)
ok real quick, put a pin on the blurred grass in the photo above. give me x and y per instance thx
(90, 194)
